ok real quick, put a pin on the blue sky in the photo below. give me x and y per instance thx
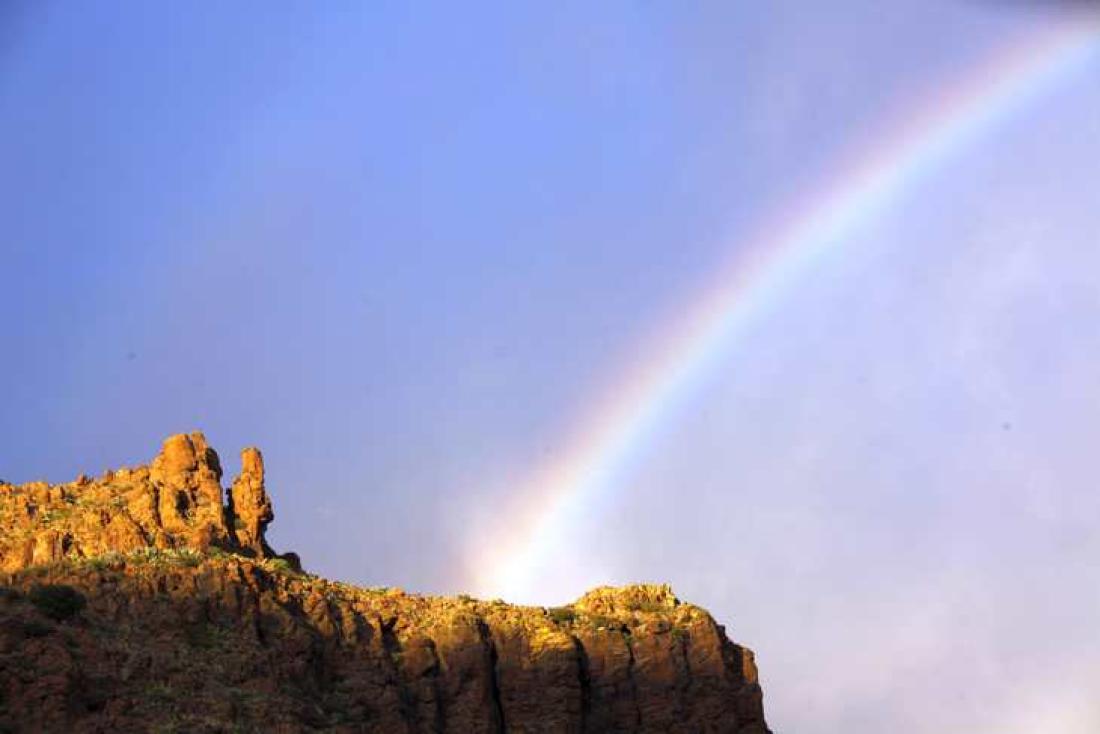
(403, 250)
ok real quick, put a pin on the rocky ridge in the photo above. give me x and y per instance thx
(150, 600)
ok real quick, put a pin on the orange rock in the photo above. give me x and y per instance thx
(250, 508)
(175, 502)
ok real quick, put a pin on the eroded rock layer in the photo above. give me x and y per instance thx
(186, 621)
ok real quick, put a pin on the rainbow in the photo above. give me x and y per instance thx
(812, 228)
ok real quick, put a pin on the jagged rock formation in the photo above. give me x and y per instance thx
(175, 502)
(151, 606)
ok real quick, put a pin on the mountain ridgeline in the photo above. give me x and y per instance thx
(149, 600)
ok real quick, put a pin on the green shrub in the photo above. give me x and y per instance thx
(54, 515)
(103, 562)
(164, 556)
(279, 565)
(57, 601)
(562, 615)
(599, 621)
(188, 557)
(652, 607)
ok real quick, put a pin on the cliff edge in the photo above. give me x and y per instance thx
(149, 600)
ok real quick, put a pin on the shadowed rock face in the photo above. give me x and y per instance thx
(191, 624)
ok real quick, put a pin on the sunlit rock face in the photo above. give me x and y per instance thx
(249, 505)
(140, 601)
(175, 502)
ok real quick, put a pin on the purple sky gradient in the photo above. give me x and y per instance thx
(404, 250)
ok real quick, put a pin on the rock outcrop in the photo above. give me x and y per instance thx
(153, 606)
(175, 502)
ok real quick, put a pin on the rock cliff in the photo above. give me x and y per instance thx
(144, 601)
